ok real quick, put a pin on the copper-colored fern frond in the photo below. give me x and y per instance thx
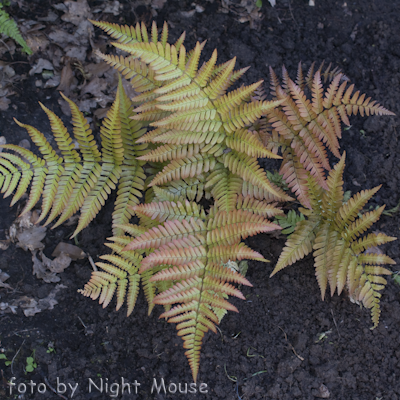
(192, 254)
(332, 231)
(312, 123)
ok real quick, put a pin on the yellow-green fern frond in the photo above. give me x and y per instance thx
(82, 177)
(247, 142)
(248, 169)
(185, 168)
(192, 189)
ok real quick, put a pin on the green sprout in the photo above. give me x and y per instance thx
(4, 357)
(30, 363)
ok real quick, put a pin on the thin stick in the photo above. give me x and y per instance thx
(12, 361)
(92, 263)
(290, 344)
(46, 381)
(334, 321)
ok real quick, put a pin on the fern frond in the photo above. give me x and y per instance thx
(332, 230)
(9, 27)
(348, 212)
(120, 278)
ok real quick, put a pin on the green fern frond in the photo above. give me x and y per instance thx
(81, 177)
(288, 222)
(9, 27)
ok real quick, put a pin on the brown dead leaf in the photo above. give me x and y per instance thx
(40, 66)
(37, 42)
(62, 38)
(97, 70)
(74, 252)
(5, 244)
(95, 87)
(66, 79)
(47, 269)
(30, 306)
(77, 11)
(101, 113)
(77, 52)
(3, 277)
(114, 8)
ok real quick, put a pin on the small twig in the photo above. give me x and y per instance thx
(290, 344)
(12, 361)
(5, 44)
(46, 381)
(18, 62)
(231, 378)
(291, 13)
(220, 332)
(82, 322)
(92, 263)
(334, 321)
(237, 391)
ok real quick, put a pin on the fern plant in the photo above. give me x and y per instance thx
(190, 138)
(9, 27)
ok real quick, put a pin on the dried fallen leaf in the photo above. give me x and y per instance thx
(40, 66)
(5, 244)
(30, 239)
(66, 78)
(77, 11)
(3, 277)
(47, 269)
(4, 102)
(74, 252)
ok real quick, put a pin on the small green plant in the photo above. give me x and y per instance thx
(7, 362)
(9, 27)
(288, 222)
(50, 348)
(30, 363)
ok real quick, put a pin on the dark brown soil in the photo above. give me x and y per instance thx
(285, 343)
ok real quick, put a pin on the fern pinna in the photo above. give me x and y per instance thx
(79, 178)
